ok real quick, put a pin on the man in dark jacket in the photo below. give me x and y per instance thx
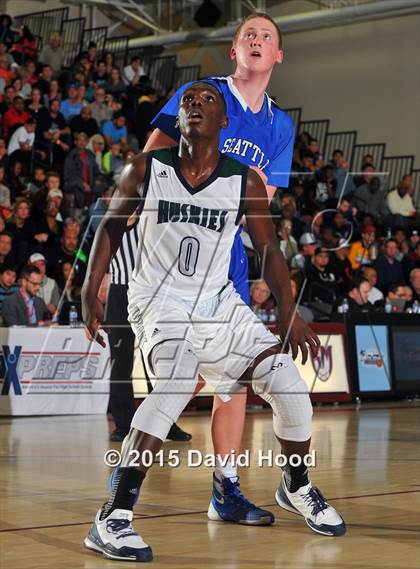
(81, 174)
(24, 308)
(388, 268)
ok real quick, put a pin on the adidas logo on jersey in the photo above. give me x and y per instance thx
(155, 331)
(162, 174)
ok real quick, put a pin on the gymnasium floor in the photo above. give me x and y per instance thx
(53, 479)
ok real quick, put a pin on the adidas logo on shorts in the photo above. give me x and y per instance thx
(162, 174)
(155, 331)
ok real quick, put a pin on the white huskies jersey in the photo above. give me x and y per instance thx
(185, 233)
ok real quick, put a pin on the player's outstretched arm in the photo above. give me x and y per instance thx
(107, 240)
(275, 271)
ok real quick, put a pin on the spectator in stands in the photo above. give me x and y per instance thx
(91, 54)
(3, 150)
(115, 130)
(21, 228)
(341, 266)
(308, 243)
(99, 208)
(389, 270)
(28, 72)
(7, 102)
(97, 145)
(358, 297)
(49, 289)
(52, 54)
(80, 173)
(8, 284)
(100, 110)
(6, 254)
(66, 252)
(397, 292)
(14, 117)
(52, 182)
(4, 51)
(115, 85)
(261, 302)
(145, 113)
(113, 160)
(369, 198)
(109, 61)
(37, 181)
(4, 192)
(370, 274)
(71, 292)
(329, 239)
(303, 311)
(100, 75)
(322, 283)
(35, 106)
(54, 132)
(326, 186)
(71, 106)
(7, 73)
(15, 181)
(53, 93)
(7, 35)
(48, 226)
(314, 149)
(84, 123)
(288, 244)
(368, 172)
(132, 72)
(364, 252)
(401, 205)
(341, 167)
(26, 47)
(22, 142)
(44, 80)
(24, 308)
(407, 181)
(22, 88)
(414, 238)
(415, 284)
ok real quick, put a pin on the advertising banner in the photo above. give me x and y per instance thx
(52, 371)
(373, 357)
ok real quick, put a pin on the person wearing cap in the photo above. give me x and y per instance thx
(307, 245)
(364, 251)
(71, 106)
(48, 290)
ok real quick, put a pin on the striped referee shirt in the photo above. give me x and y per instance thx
(122, 264)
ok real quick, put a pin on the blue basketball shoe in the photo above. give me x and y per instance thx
(311, 504)
(229, 505)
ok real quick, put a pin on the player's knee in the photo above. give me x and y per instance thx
(175, 366)
(277, 380)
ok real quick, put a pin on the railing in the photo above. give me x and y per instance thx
(186, 74)
(161, 72)
(71, 39)
(43, 23)
(360, 150)
(344, 140)
(118, 46)
(97, 35)
(397, 166)
(317, 129)
(296, 115)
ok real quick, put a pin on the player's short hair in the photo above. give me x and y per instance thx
(252, 17)
(215, 89)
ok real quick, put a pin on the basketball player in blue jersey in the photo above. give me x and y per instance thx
(261, 136)
(189, 320)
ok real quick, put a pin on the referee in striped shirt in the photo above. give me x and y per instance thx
(121, 338)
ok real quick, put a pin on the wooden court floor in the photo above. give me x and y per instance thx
(53, 479)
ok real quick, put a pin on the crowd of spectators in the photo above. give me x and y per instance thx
(65, 135)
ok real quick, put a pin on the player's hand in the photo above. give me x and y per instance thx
(299, 335)
(93, 318)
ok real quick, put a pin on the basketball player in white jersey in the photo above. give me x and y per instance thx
(260, 135)
(188, 318)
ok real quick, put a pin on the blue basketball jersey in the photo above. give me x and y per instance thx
(264, 140)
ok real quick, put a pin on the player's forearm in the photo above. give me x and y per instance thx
(276, 274)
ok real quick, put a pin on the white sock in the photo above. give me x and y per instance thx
(226, 468)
